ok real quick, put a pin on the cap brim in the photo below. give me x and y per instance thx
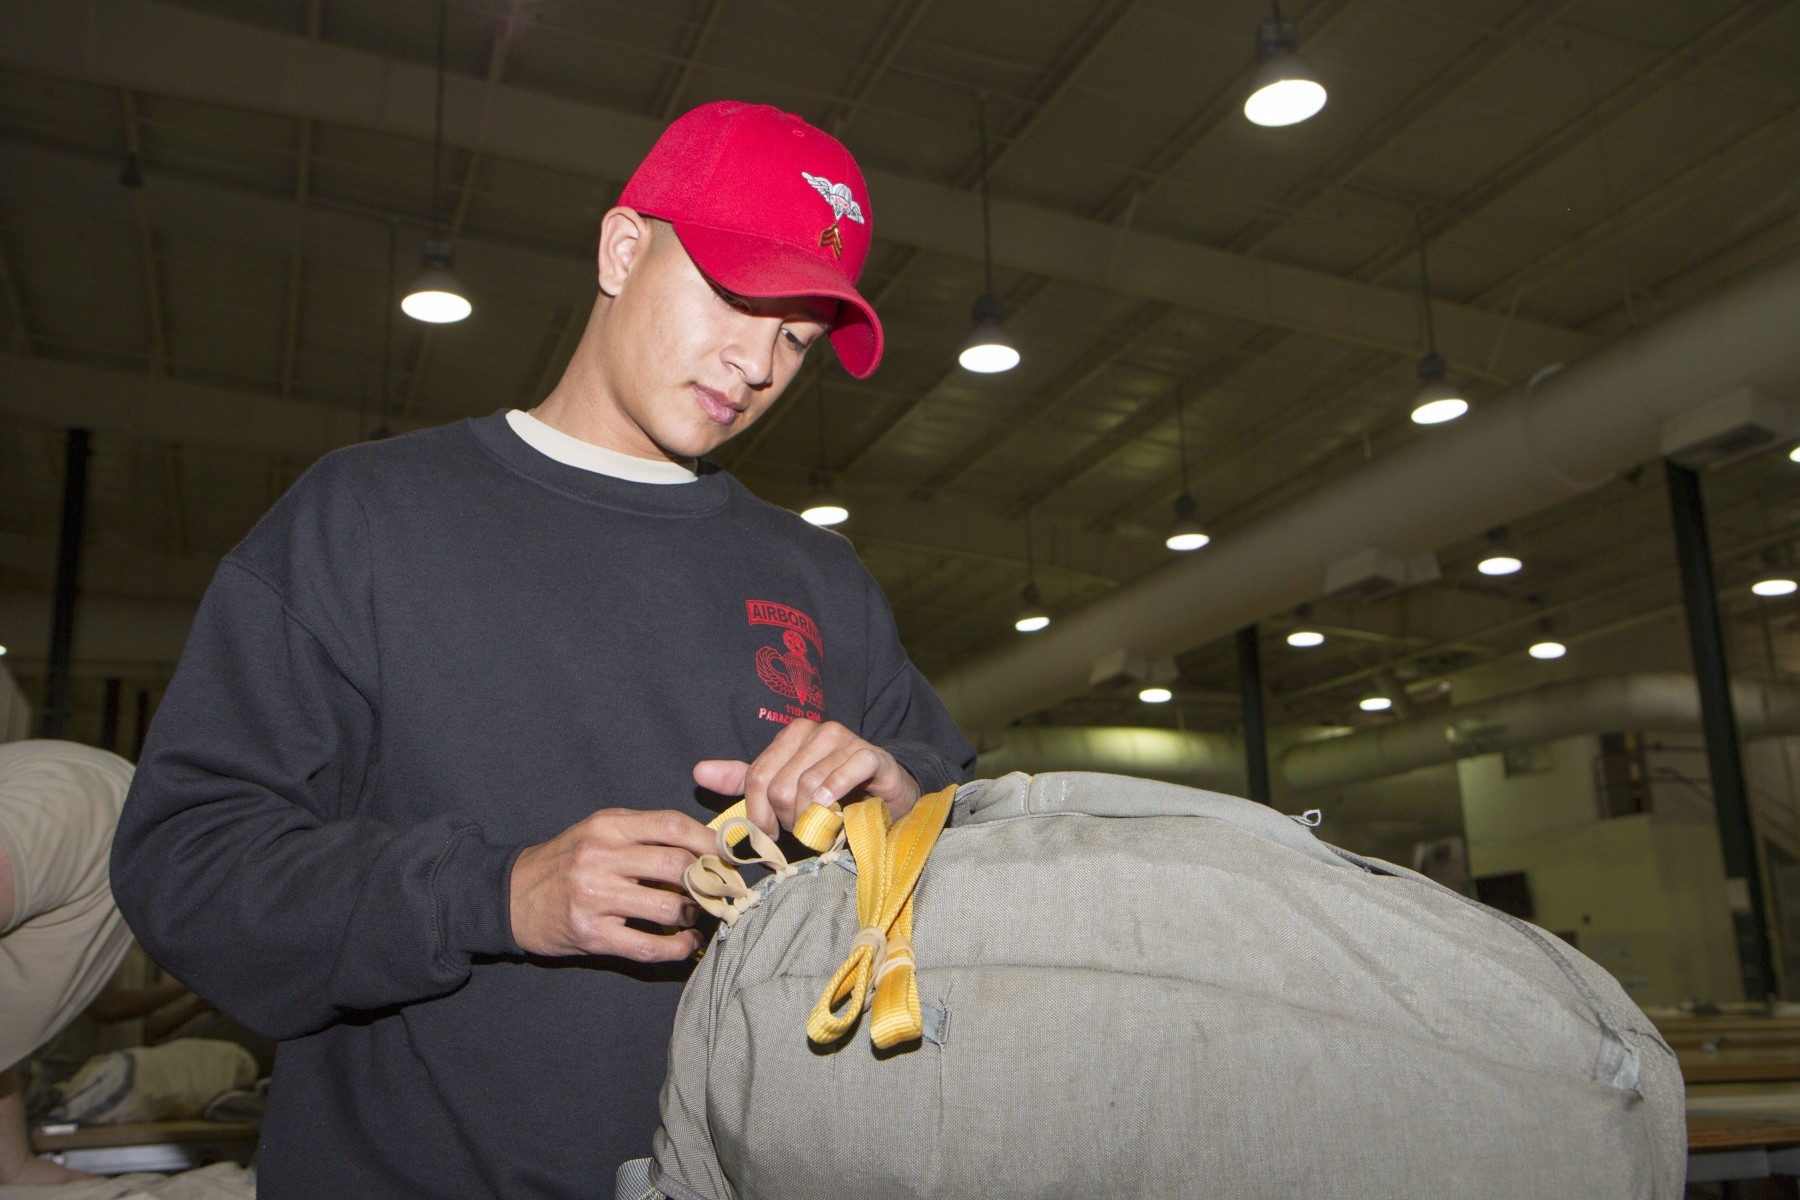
(753, 266)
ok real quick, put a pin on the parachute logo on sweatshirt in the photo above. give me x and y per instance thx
(792, 670)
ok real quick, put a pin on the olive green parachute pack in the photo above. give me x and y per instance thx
(1131, 988)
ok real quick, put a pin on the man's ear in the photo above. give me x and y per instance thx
(625, 236)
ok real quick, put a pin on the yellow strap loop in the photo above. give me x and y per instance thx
(890, 857)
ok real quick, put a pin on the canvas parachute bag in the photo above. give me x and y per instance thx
(1128, 988)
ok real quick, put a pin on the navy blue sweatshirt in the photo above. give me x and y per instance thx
(433, 652)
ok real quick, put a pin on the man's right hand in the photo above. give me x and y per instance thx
(574, 893)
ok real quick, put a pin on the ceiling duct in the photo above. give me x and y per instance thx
(1374, 573)
(1536, 445)
(1646, 702)
(1649, 702)
(1740, 423)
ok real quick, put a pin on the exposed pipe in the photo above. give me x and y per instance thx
(1532, 447)
(1648, 702)
(1214, 761)
(1645, 702)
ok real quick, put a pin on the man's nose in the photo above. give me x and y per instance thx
(751, 351)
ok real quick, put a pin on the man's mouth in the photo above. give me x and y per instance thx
(716, 405)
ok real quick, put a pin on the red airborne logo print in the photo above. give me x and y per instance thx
(792, 669)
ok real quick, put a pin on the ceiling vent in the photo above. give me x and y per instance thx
(1373, 573)
(1738, 424)
(1123, 669)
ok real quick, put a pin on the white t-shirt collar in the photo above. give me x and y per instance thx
(572, 451)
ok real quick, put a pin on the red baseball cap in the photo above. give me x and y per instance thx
(767, 205)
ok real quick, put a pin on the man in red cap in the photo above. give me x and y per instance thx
(449, 721)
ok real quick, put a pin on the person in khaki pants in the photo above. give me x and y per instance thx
(61, 935)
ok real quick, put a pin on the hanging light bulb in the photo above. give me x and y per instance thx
(1156, 695)
(1305, 639)
(1032, 616)
(1794, 454)
(988, 350)
(1185, 535)
(1498, 560)
(825, 508)
(1438, 400)
(1284, 91)
(435, 297)
(1374, 704)
(1546, 647)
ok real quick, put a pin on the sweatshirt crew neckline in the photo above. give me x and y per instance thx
(708, 493)
(566, 448)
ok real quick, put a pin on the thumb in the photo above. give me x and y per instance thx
(722, 775)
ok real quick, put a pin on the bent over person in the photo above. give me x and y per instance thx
(449, 719)
(61, 935)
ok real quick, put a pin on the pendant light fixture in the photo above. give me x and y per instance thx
(1284, 90)
(825, 508)
(1032, 614)
(1499, 560)
(988, 350)
(435, 296)
(1438, 400)
(1303, 636)
(1547, 647)
(1185, 535)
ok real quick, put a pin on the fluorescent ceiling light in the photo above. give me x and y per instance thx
(1774, 587)
(1375, 704)
(1156, 695)
(1305, 639)
(1547, 649)
(1499, 564)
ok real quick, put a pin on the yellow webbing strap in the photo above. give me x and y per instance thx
(890, 856)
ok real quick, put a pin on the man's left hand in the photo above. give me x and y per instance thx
(810, 762)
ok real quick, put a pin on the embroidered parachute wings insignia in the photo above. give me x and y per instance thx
(843, 204)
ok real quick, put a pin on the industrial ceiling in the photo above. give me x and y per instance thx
(206, 209)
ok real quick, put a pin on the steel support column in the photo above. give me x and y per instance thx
(1256, 738)
(1718, 720)
(68, 573)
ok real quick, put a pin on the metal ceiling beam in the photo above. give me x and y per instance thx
(76, 184)
(159, 410)
(1711, 42)
(1761, 139)
(895, 33)
(1674, 66)
(1487, 49)
(166, 49)
(668, 101)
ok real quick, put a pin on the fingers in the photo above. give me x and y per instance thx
(630, 826)
(822, 764)
(722, 775)
(639, 946)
